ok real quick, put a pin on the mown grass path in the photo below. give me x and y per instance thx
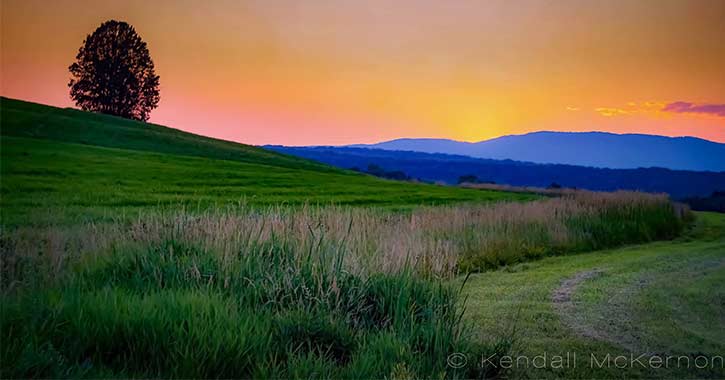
(664, 299)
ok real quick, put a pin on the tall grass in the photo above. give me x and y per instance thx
(280, 292)
(576, 221)
(272, 294)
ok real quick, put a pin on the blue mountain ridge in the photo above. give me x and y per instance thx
(595, 149)
(439, 167)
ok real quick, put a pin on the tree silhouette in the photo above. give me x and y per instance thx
(114, 73)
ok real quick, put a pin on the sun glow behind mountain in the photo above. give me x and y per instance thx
(353, 72)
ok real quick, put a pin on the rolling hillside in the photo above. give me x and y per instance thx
(597, 149)
(32, 120)
(66, 164)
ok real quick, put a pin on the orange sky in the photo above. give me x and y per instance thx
(338, 72)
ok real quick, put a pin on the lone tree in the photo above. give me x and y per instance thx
(114, 73)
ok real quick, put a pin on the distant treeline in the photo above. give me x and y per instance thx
(450, 169)
(378, 171)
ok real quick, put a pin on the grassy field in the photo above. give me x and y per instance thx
(274, 292)
(61, 163)
(135, 250)
(662, 300)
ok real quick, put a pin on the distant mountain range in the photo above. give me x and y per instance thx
(595, 149)
(436, 167)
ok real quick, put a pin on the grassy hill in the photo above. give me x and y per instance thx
(67, 164)
(32, 120)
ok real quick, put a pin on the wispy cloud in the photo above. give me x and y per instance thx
(686, 107)
(632, 108)
(609, 111)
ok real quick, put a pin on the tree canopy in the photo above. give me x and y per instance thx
(114, 73)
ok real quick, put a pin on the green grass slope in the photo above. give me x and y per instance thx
(32, 120)
(66, 164)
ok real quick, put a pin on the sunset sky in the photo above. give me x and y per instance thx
(339, 72)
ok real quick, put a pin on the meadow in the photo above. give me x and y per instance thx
(282, 292)
(134, 250)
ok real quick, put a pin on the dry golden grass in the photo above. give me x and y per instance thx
(441, 241)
